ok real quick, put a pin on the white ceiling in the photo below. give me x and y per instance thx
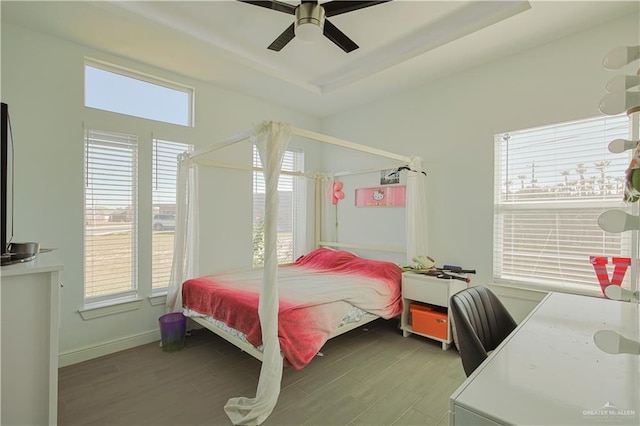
(402, 43)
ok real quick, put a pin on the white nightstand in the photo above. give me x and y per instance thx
(428, 290)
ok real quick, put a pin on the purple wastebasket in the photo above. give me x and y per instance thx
(172, 330)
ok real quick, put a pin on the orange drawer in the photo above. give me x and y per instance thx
(427, 321)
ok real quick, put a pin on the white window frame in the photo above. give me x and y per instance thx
(126, 141)
(145, 130)
(504, 270)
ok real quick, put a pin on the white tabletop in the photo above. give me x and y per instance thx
(549, 370)
(44, 262)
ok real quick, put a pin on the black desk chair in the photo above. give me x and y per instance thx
(480, 324)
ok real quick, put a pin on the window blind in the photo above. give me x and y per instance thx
(290, 193)
(165, 174)
(110, 241)
(551, 184)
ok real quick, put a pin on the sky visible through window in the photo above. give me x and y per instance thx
(542, 154)
(114, 92)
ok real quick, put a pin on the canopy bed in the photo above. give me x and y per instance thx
(334, 281)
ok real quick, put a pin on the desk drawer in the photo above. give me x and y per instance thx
(425, 289)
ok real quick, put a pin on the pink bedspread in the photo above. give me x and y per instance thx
(315, 293)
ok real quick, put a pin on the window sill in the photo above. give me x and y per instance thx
(542, 288)
(158, 299)
(112, 307)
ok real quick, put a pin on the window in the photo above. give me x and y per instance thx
(551, 184)
(115, 89)
(291, 194)
(165, 172)
(130, 182)
(110, 214)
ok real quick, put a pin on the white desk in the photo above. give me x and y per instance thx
(549, 370)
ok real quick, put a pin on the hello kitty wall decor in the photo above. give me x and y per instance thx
(390, 196)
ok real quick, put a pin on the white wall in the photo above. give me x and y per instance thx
(42, 81)
(450, 123)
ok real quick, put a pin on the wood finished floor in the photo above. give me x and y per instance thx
(369, 376)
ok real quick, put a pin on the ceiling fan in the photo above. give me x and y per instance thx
(311, 18)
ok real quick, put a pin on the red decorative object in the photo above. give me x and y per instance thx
(337, 193)
(600, 266)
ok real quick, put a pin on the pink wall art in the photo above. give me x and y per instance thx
(388, 196)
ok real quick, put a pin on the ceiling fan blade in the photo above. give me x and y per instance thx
(284, 38)
(338, 37)
(274, 5)
(334, 8)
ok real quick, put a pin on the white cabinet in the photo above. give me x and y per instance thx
(30, 306)
(428, 290)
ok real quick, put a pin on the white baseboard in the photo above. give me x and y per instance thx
(106, 348)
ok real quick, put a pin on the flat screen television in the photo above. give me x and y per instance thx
(6, 164)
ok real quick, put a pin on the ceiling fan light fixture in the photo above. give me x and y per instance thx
(309, 21)
(308, 32)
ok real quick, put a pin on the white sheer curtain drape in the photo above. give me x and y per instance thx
(416, 211)
(272, 139)
(185, 245)
(329, 211)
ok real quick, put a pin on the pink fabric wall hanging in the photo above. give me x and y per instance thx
(337, 193)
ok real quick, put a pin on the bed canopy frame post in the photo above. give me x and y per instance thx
(306, 134)
(346, 144)
(221, 144)
(416, 212)
(317, 233)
